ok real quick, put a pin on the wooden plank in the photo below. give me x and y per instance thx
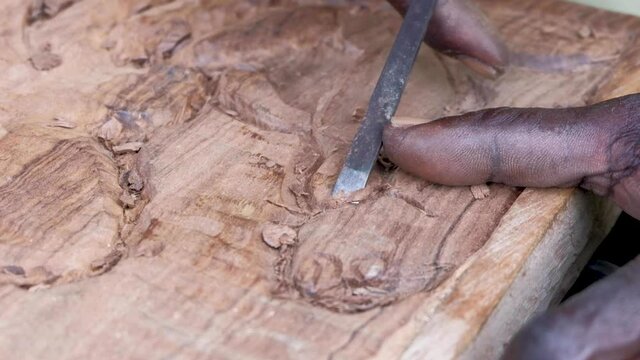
(245, 110)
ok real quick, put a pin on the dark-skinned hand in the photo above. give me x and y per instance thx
(596, 148)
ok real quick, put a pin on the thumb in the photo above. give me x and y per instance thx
(460, 30)
(596, 147)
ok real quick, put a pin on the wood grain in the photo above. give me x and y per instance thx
(235, 116)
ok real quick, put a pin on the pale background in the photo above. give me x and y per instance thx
(628, 6)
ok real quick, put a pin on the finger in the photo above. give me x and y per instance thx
(597, 147)
(603, 322)
(520, 147)
(460, 30)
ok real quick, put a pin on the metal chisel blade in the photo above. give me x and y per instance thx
(385, 98)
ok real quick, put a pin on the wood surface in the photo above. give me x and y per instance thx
(165, 169)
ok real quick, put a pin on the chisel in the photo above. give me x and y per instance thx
(385, 98)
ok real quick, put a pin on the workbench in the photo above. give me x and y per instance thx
(166, 168)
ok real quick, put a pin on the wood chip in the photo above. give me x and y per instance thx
(149, 249)
(127, 200)
(130, 147)
(254, 160)
(3, 132)
(480, 192)
(12, 269)
(585, 32)
(358, 114)
(110, 129)
(106, 263)
(406, 121)
(134, 181)
(45, 9)
(231, 113)
(369, 291)
(179, 32)
(62, 123)
(278, 235)
(45, 61)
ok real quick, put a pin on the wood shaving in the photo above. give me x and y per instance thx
(110, 129)
(62, 123)
(278, 235)
(106, 263)
(406, 121)
(369, 291)
(231, 113)
(130, 147)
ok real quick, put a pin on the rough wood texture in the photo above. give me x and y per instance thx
(147, 145)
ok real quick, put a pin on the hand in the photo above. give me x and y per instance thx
(595, 147)
(460, 30)
(603, 322)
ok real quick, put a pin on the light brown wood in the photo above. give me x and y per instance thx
(165, 169)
